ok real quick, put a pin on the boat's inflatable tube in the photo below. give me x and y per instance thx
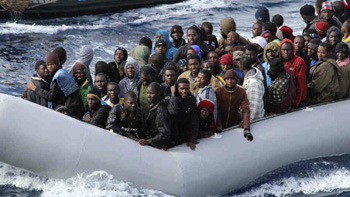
(57, 146)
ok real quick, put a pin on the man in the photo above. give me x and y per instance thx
(208, 37)
(312, 54)
(307, 12)
(112, 97)
(340, 11)
(254, 86)
(191, 75)
(334, 36)
(271, 51)
(158, 124)
(176, 35)
(214, 58)
(299, 44)
(62, 54)
(183, 109)
(126, 118)
(251, 51)
(256, 30)
(97, 113)
(157, 64)
(229, 98)
(169, 82)
(82, 82)
(327, 13)
(40, 79)
(131, 79)
(193, 38)
(297, 66)
(324, 85)
(120, 55)
(205, 90)
(226, 63)
(63, 90)
(101, 81)
(146, 78)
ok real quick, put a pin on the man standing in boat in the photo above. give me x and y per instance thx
(97, 113)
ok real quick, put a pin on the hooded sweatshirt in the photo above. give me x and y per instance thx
(127, 84)
(297, 66)
(254, 87)
(171, 51)
(141, 55)
(270, 46)
(85, 57)
(197, 50)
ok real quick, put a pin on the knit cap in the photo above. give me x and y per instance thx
(341, 46)
(226, 59)
(95, 92)
(321, 28)
(176, 28)
(231, 74)
(288, 32)
(78, 66)
(262, 14)
(52, 58)
(327, 5)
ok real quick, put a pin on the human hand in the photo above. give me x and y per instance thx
(173, 90)
(143, 142)
(191, 145)
(31, 86)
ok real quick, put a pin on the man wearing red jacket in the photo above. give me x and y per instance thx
(297, 66)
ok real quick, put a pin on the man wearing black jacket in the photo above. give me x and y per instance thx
(97, 114)
(40, 79)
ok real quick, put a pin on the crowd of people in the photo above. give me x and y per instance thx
(173, 92)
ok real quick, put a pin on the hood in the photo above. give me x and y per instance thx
(273, 46)
(136, 66)
(86, 54)
(206, 103)
(254, 73)
(197, 50)
(286, 40)
(227, 25)
(141, 54)
(165, 36)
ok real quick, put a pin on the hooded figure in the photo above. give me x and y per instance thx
(128, 84)
(171, 51)
(206, 124)
(298, 67)
(85, 57)
(141, 55)
(275, 48)
(227, 25)
(197, 50)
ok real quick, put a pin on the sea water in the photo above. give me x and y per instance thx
(24, 42)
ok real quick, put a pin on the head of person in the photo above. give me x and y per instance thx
(52, 63)
(276, 68)
(227, 25)
(232, 37)
(79, 73)
(309, 35)
(207, 30)
(278, 20)
(327, 10)
(131, 69)
(299, 43)
(262, 15)
(237, 55)
(182, 65)
(267, 36)
(341, 51)
(86, 55)
(205, 109)
(153, 92)
(40, 69)
(94, 98)
(246, 64)
(183, 87)
(194, 64)
(271, 51)
(203, 78)
(226, 62)
(146, 75)
(191, 51)
(250, 50)
(307, 12)
(228, 49)
(339, 8)
(160, 48)
(209, 66)
(146, 41)
(334, 35)
(113, 91)
(257, 29)
(271, 27)
(231, 78)
(287, 49)
(324, 51)
(176, 33)
(169, 75)
(130, 101)
(321, 28)
(345, 28)
(213, 57)
(102, 67)
(62, 54)
(120, 55)
(101, 81)
(193, 35)
(312, 48)
(62, 109)
(318, 5)
(157, 62)
(260, 43)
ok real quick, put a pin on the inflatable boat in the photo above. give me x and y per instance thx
(57, 146)
(40, 9)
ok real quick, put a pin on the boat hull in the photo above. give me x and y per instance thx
(54, 145)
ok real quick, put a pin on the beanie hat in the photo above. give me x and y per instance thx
(39, 63)
(146, 41)
(314, 43)
(346, 3)
(287, 32)
(327, 5)
(321, 28)
(237, 55)
(308, 10)
(231, 74)
(226, 59)
(227, 25)
(341, 46)
(176, 28)
(262, 14)
(95, 92)
(52, 58)
(78, 66)
(61, 109)
(334, 29)
(260, 41)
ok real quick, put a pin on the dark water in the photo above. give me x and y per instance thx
(24, 42)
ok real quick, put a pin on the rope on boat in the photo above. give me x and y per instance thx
(15, 5)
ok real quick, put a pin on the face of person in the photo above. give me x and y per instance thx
(119, 56)
(322, 53)
(51, 67)
(177, 35)
(42, 71)
(286, 51)
(183, 68)
(203, 113)
(310, 51)
(92, 102)
(327, 14)
(130, 71)
(343, 28)
(183, 89)
(160, 49)
(209, 67)
(257, 30)
(271, 54)
(232, 37)
(333, 38)
(159, 37)
(230, 82)
(307, 40)
(79, 76)
(152, 95)
(341, 55)
(192, 37)
(190, 52)
(229, 49)
(112, 91)
(101, 83)
(194, 66)
(213, 57)
(251, 54)
(208, 32)
(225, 67)
(145, 79)
(131, 104)
(268, 39)
(298, 43)
(170, 77)
(306, 18)
(202, 80)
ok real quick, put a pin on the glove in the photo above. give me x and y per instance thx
(248, 135)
